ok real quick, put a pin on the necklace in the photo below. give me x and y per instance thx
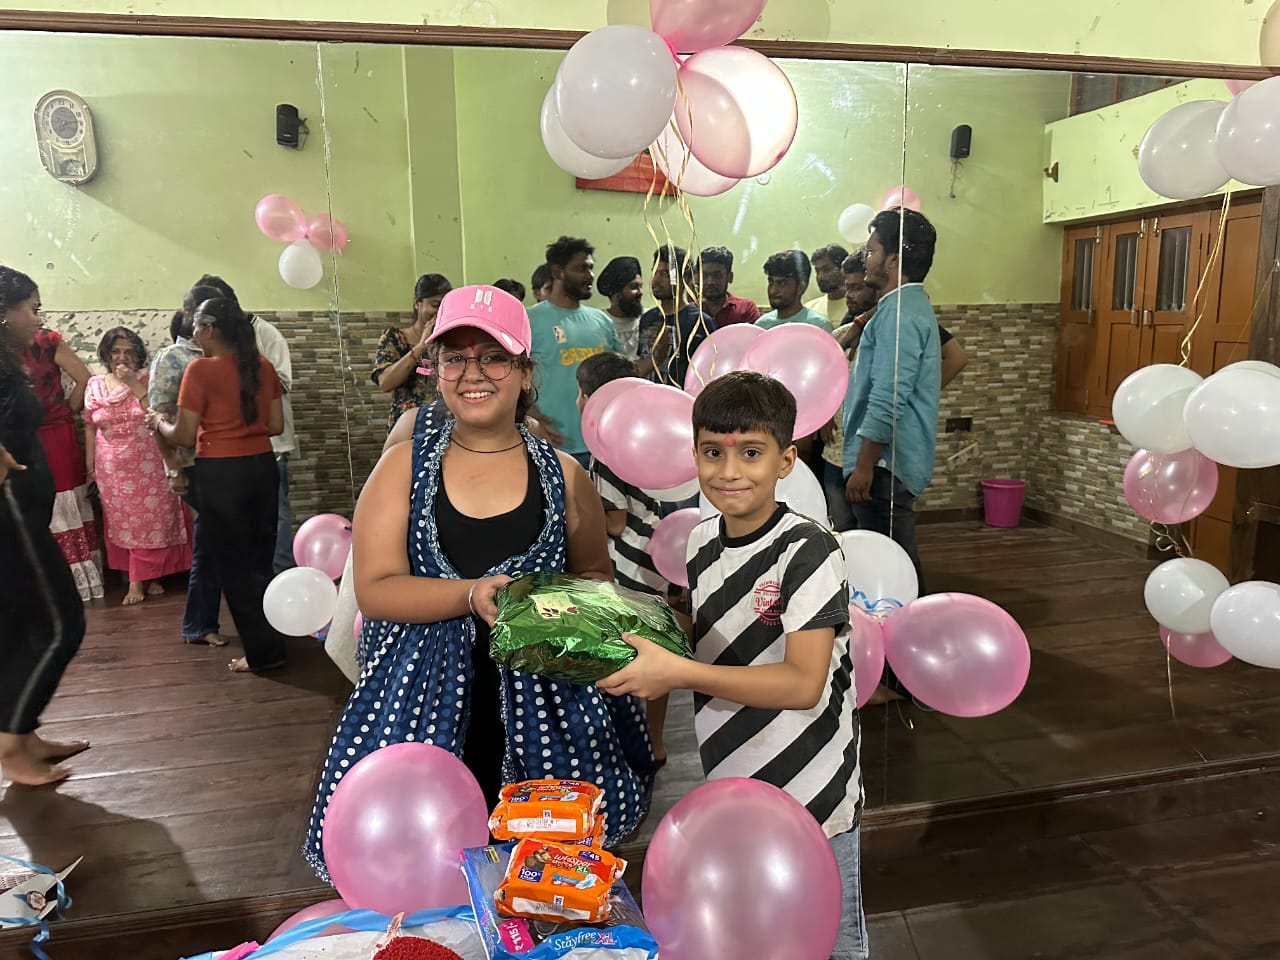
(454, 440)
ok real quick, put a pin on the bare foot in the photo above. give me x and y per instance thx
(51, 751)
(155, 589)
(135, 594)
(241, 665)
(214, 639)
(25, 769)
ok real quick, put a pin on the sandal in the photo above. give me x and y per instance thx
(209, 639)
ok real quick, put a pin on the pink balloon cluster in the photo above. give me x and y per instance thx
(281, 219)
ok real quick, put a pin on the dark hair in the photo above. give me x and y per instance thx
(720, 255)
(541, 277)
(513, 287)
(745, 400)
(565, 249)
(832, 251)
(663, 255)
(595, 371)
(911, 232)
(121, 333)
(789, 264)
(431, 285)
(615, 277)
(217, 283)
(193, 298)
(855, 262)
(176, 323)
(225, 316)
(15, 287)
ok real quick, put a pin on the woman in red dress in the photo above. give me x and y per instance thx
(73, 526)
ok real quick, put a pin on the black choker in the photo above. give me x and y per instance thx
(454, 440)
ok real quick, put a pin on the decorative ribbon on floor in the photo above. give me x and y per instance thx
(60, 898)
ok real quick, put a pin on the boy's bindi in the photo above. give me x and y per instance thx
(730, 441)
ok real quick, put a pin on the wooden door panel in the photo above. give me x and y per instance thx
(1119, 338)
(1076, 328)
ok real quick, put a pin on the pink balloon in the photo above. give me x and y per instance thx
(315, 912)
(323, 542)
(738, 868)
(1238, 87)
(901, 197)
(866, 648)
(684, 169)
(740, 116)
(396, 825)
(1170, 487)
(810, 363)
(594, 409)
(326, 233)
(280, 218)
(960, 654)
(719, 354)
(650, 431)
(669, 544)
(693, 25)
(1194, 649)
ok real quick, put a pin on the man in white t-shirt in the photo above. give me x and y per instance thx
(826, 262)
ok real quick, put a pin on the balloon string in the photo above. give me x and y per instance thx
(1171, 539)
(1185, 347)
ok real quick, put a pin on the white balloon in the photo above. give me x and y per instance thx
(1178, 157)
(853, 222)
(568, 156)
(1249, 135)
(1270, 369)
(1181, 593)
(1148, 407)
(616, 91)
(684, 169)
(1234, 418)
(878, 569)
(1246, 621)
(300, 601)
(301, 266)
(799, 490)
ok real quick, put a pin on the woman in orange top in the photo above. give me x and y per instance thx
(229, 408)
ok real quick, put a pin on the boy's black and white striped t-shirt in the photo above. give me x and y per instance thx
(632, 565)
(748, 594)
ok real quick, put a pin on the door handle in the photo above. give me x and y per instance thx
(1146, 318)
(1133, 317)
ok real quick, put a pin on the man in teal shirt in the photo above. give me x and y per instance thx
(788, 274)
(564, 334)
(891, 409)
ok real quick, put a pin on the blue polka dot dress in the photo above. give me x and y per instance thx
(415, 678)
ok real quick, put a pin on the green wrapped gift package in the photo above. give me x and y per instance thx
(570, 629)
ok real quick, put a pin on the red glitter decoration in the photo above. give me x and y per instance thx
(414, 948)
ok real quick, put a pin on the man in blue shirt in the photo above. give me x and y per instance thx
(564, 334)
(891, 410)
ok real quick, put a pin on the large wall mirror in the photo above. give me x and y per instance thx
(1057, 271)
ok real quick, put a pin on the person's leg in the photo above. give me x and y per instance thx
(904, 522)
(656, 713)
(838, 505)
(851, 940)
(284, 520)
(204, 589)
(240, 521)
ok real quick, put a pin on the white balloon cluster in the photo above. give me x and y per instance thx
(1198, 146)
(1233, 418)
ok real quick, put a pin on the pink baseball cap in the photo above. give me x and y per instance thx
(494, 311)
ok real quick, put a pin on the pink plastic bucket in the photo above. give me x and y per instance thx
(1002, 502)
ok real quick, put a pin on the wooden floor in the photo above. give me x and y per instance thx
(199, 783)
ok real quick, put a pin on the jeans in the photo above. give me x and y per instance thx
(873, 515)
(238, 499)
(838, 505)
(284, 519)
(851, 941)
(204, 589)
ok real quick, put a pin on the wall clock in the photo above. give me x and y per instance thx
(64, 134)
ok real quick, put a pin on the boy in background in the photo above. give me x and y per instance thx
(631, 515)
(773, 681)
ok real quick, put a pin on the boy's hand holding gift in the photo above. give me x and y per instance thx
(654, 672)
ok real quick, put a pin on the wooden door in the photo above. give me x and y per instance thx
(1119, 337)
(1080, 247)
(1223, 338)
(1175, 252)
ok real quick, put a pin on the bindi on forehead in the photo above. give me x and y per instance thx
(730, 441)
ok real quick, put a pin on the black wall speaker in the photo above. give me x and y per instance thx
(288, 123)
(961, 141)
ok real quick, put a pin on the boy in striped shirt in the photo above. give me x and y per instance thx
(773, 680)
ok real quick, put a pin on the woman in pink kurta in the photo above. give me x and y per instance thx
(146, 525)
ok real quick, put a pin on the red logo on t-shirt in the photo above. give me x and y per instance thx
(767, 603)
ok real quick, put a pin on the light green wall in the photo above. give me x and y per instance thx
(993, 245)
(1096, 154)
(1224, 31)
(849, 149)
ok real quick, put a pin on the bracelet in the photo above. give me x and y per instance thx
(470, 597)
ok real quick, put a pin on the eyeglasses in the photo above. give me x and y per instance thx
(493, 366)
